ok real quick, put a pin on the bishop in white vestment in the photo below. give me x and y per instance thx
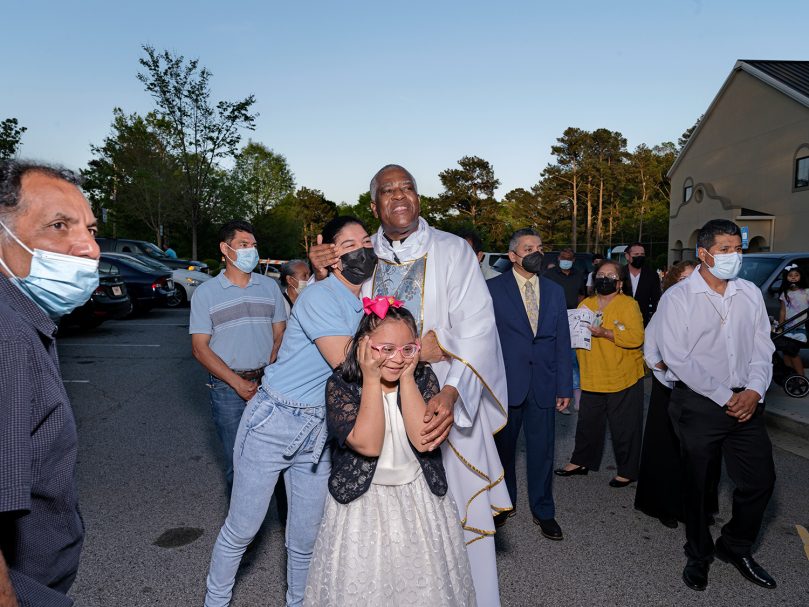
(437, 276)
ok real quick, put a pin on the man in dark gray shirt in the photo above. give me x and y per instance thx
(48, 266)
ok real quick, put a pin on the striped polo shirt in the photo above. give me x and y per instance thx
(239, 320)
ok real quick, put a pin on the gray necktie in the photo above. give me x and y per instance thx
(531, 305)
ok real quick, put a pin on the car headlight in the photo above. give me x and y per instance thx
(193, 281)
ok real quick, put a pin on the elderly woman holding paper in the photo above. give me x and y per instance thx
(612, 371)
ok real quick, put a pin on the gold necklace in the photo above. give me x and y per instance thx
(722, 318)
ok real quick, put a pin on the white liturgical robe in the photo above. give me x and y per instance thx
(445, 291)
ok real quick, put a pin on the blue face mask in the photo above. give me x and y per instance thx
(726, 266)
(565, 264)
(246, 259)
(57, 283)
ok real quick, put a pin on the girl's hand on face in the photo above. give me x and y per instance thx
(410, 367)
(370, 360)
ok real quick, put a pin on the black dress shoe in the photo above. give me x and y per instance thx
(695, 574)
(500, 519)
(671, 523)
(549, 528)
(618, 484)
(577, 470)
(746, 565)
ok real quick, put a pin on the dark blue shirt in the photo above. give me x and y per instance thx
(41, 531)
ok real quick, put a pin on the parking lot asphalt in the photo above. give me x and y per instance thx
(153, 498)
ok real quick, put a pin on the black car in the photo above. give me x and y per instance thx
(110, 301)
(142, 247)
(147, 287)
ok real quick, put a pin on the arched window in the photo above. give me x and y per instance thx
(688, 189)
(800, 179)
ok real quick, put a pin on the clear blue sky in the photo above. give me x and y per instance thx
(344, 87)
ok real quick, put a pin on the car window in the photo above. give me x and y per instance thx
(132, 263)
(757, 269)
(152, 250)
(107, 268)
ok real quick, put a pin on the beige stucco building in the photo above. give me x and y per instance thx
(748, 161)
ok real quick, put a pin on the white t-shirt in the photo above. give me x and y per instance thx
(797, 303)
(397, 464)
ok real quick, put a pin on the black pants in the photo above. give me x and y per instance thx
(624, 412)
(707, 434)
(539, 425)
(660, 480)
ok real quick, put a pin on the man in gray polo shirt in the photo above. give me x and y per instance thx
(237, 321)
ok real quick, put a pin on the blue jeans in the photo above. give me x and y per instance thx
(576, 375)
(227, 408)
(275, 435)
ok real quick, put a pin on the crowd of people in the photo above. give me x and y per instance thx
(380, 392)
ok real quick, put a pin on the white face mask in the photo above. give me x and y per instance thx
(57, 283)
(726, 266)
(302, 284)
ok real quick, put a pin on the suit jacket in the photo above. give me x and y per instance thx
(647, 294)
(541, 362)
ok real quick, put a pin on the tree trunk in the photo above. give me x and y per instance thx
(574, 227)
(589, 233)
(600, 211)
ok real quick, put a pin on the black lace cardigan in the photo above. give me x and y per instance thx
(351, 472)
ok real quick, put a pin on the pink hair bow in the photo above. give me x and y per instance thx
(380, 304)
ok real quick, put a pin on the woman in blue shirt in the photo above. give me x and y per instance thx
(283, 428)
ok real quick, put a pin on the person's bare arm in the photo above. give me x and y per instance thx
(201, 349)
(413, 408)
(278, 329)
(8, 598)
(368, 433)
(333, 348)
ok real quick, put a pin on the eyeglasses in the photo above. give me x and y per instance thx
(610, 276)
(389, 350)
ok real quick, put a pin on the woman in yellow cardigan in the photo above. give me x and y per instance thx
(611, 381)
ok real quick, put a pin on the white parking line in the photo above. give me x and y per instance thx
(94, 344)
(155, 324)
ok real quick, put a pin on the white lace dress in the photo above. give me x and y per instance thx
(398, 544)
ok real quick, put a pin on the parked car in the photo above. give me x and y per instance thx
(765, 271)
(185, 281)
(148, 287)
(142, 247)
(583, 262)
(110, 301)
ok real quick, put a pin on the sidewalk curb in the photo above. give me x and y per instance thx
(787, 422)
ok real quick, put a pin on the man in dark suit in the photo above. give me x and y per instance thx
(641, 281)
(531, 318)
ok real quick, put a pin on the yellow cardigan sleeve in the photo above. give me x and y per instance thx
(630, 317)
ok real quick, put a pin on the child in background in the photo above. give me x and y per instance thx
(794, 300)
(390, 532)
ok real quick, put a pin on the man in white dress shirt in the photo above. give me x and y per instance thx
(714, 337)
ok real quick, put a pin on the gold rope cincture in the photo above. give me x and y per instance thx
(482, 533)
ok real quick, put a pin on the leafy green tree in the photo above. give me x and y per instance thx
(10, 138)
(260, 179)
(203, 133)
(362, 210)
(314, 212)
(469, 190)
(687, 134)
(570, 151)
(135, 177)
(279, 229)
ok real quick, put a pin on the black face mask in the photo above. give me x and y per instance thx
(532, 262)
(604, 285)
(358, 265)
(637, 261)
